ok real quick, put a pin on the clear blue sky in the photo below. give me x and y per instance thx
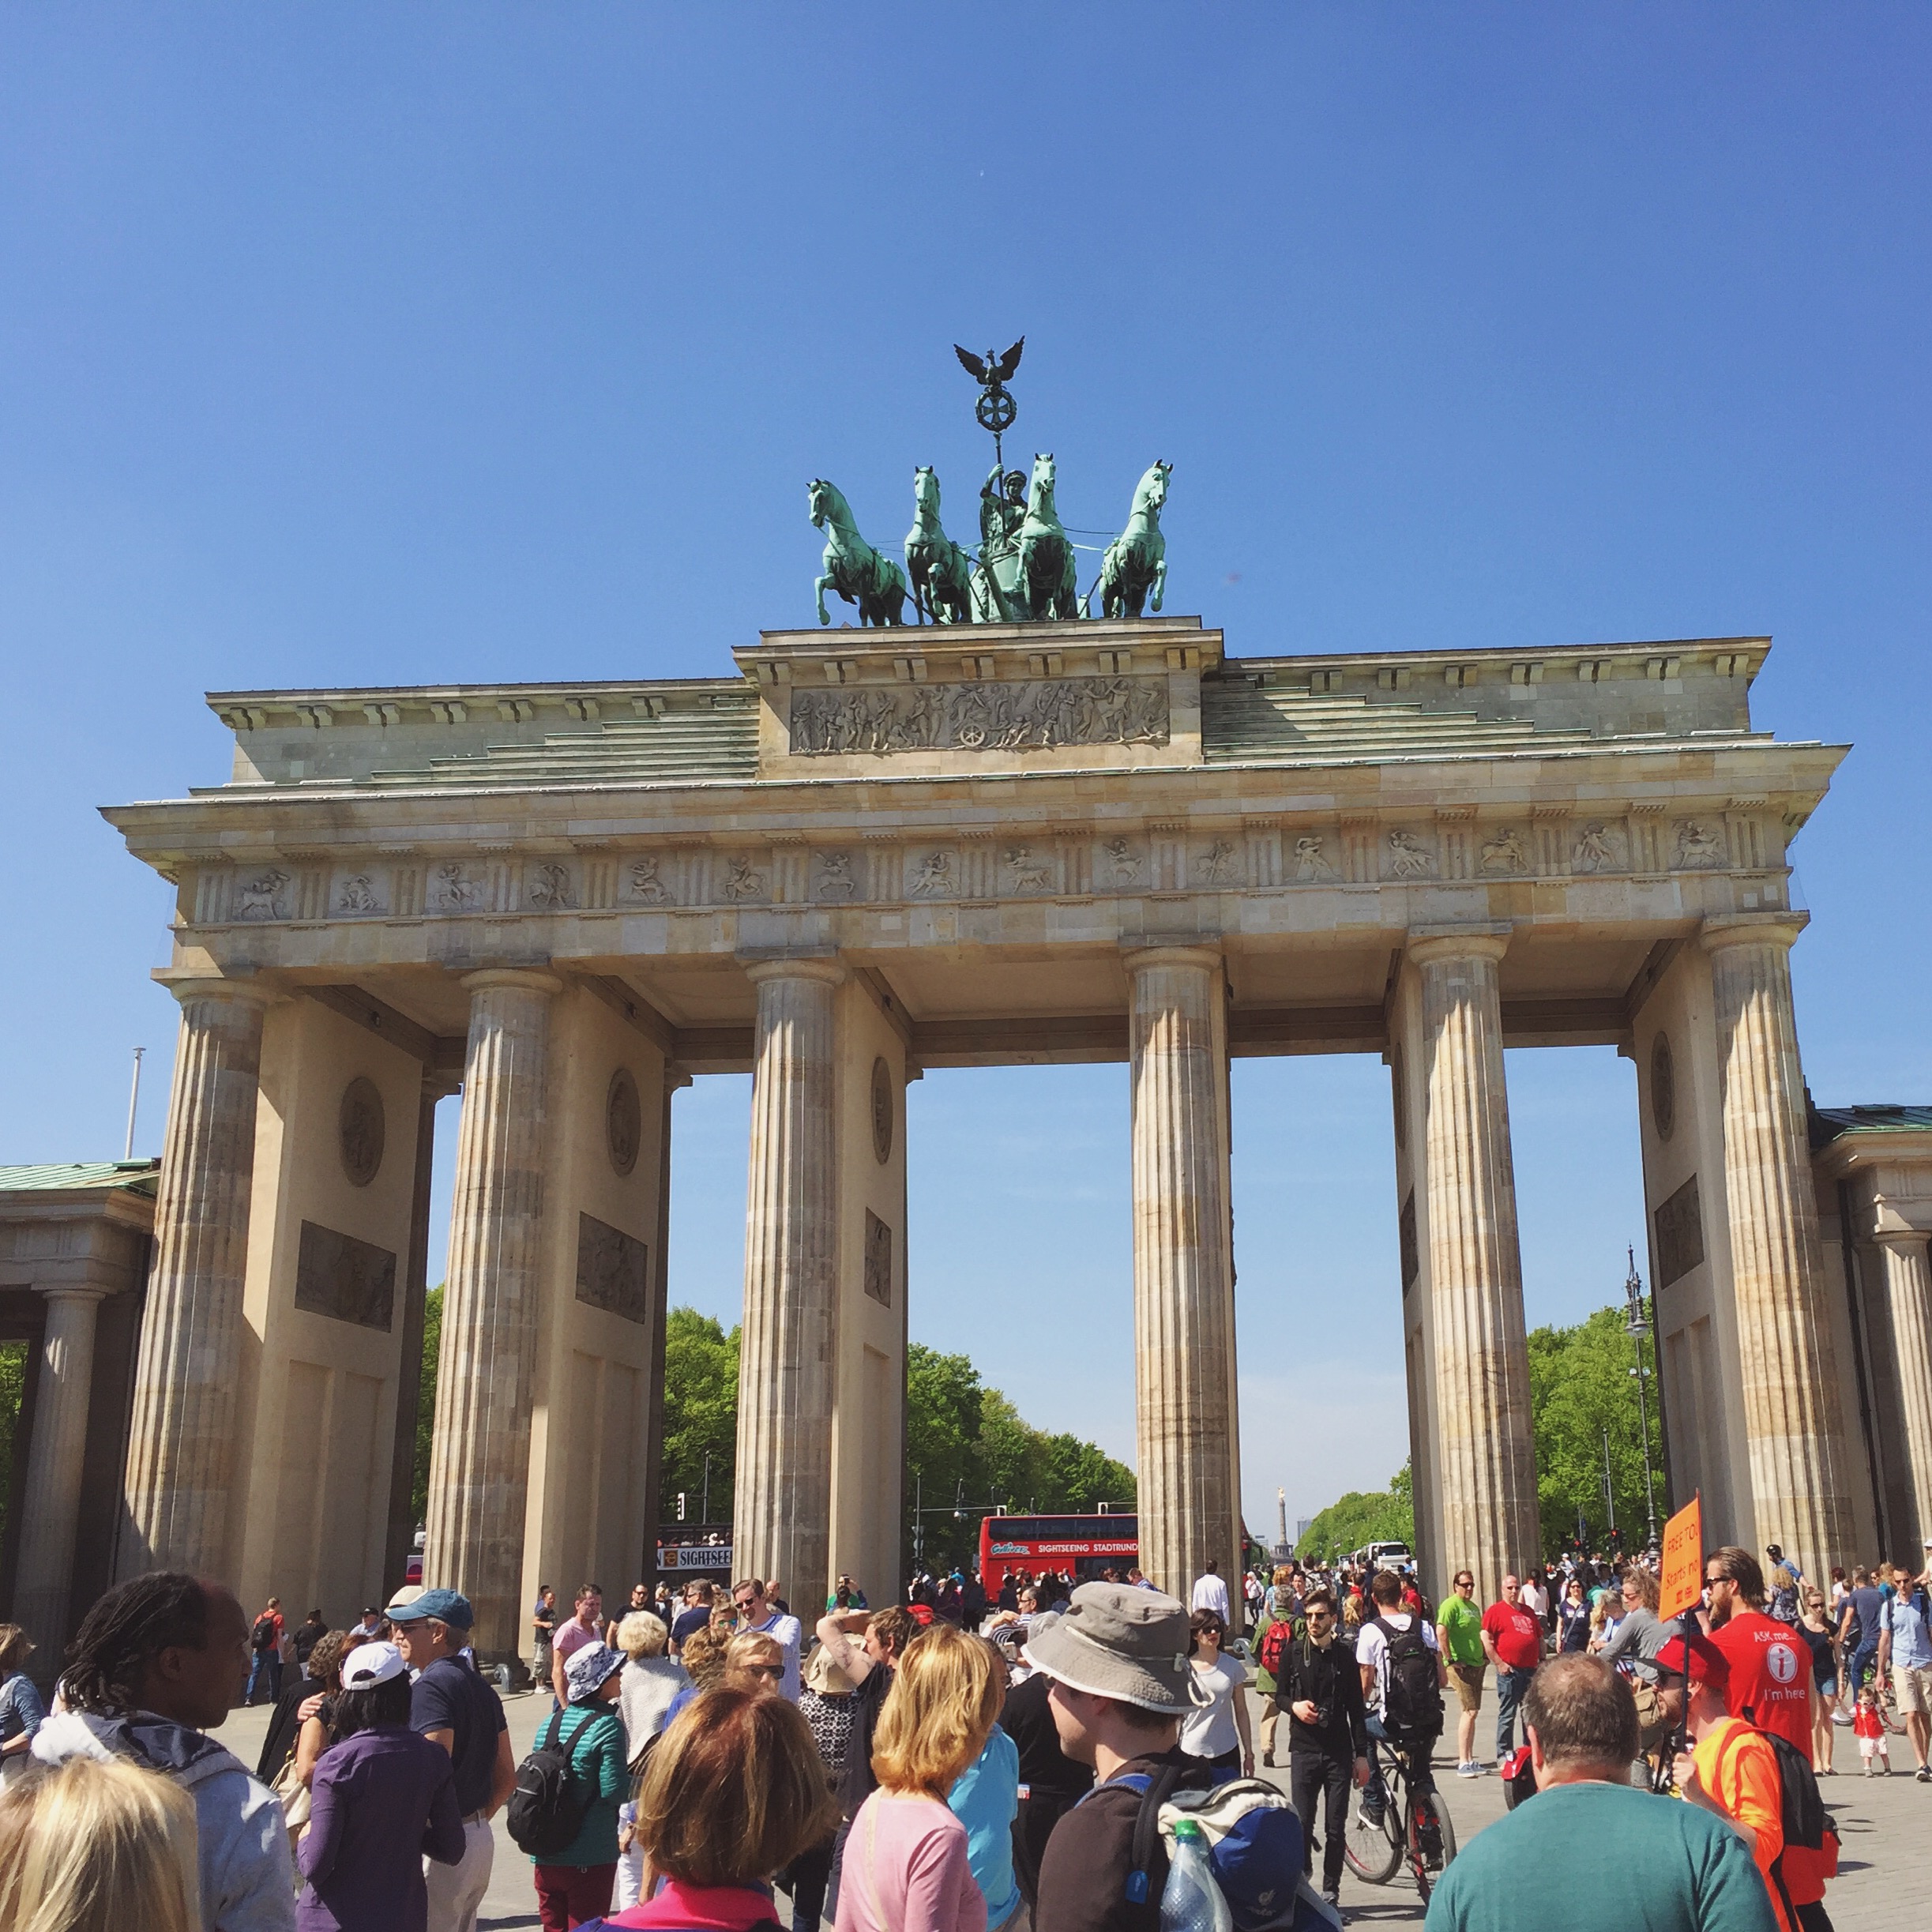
(383, 345)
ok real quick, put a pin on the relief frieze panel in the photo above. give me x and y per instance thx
(988, 862)
(991, 716)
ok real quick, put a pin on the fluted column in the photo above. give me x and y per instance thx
(402, 1532)
(782, 1518)
(1183, 1280)
(180, 1438)
(1486, 1455)
(479, 1453)
(1793, 1421)
(55, 1461)
(1908, 1291)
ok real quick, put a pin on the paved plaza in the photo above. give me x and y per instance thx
(1881, 1819)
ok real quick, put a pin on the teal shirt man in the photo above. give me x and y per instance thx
(1618, 1858)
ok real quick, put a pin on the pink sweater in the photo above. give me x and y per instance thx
(905, 1870)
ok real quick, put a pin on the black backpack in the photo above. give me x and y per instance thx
(261, 1639)
(546, 1810)
(1804, 1818)
(1414, 1700)
(1802, 1815)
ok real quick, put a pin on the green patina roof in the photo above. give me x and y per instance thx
(1829, 1123)
(140, 1176)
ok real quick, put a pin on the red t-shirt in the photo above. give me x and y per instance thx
(1770, 1672)
(1517, 1634)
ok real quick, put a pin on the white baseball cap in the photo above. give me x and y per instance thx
(370, 1664)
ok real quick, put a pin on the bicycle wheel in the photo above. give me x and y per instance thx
(1425, 1868)
(1372, 1848)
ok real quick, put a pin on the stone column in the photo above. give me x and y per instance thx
(1909, 1293)
(1794, 1425)
(479, 1455)
(55, 1463)
(1486, 1458)
(1183, 1279)
(674, 1078)
(181, 1437)
(402, 1530)
(782, 1518)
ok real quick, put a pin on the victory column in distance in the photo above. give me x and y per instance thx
(1024, 570)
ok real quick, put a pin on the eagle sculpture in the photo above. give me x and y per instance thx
(990, 370)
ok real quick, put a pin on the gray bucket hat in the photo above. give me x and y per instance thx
(1115, 1640)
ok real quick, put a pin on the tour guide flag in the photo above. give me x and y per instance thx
(1683, 1561)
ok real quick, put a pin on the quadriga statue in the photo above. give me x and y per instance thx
(1136, 562)
(853, 568)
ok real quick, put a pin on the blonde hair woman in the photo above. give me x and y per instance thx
(652, 1680)
(753, 1661)
(906, 1861)
(98, 1846)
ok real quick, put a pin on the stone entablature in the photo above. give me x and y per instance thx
(1700, 856)
(993, 703)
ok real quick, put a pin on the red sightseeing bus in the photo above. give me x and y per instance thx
(1079, 1547)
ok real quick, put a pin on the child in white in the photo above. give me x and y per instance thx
(1869, 1727)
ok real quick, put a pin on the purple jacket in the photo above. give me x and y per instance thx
(381, 1800)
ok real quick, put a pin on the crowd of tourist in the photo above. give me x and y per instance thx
(969, 1760)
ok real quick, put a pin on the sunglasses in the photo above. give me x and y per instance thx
(765, 1670)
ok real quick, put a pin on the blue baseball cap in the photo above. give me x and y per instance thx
(450, 1606)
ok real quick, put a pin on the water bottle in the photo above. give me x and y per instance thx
(1192, 1901)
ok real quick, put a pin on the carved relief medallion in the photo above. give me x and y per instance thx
(1663, 1088)
(644, 883)
(1217, 864)
(260, 897)
(1408, 859)
(360, 1130)
(1311, 860)
(934, 879)
(881, 1110)
(1594, 851)
(1029, 875)
(623, 1121)
(1699, 844)
(1505, 852)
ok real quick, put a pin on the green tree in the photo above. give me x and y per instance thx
(945, 1466)
(1362, 1516)
(968, 1448)
(1581, 1394)
(701, 1415)
(426, 1400)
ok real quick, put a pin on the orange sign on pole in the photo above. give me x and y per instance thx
(1683, 1561)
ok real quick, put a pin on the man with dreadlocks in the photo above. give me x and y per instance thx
(156, 1661)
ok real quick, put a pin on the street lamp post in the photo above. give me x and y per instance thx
(1636, 1327)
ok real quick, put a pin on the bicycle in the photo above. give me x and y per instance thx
(1375, 1847)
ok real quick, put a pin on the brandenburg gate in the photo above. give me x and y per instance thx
(873, 851)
